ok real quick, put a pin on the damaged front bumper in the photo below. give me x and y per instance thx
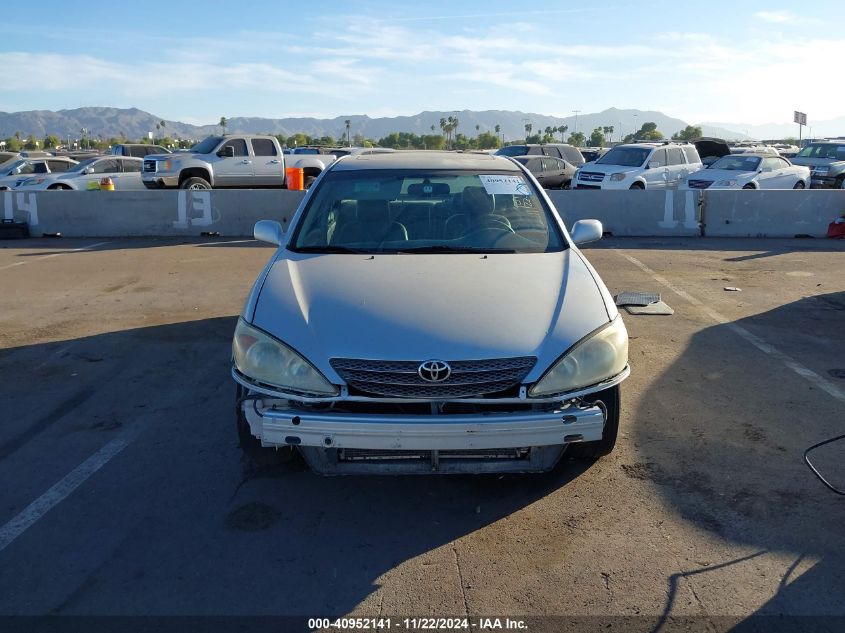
(334, 441)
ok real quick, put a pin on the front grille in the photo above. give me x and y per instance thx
(580, 186)
(591, 176)
(150, 166)
(400, 379)
(700, 184)
(373, 455)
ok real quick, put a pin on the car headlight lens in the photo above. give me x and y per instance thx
(602, 355)
(821, 170)
(727, 183)
(264, 359)
(620, 176)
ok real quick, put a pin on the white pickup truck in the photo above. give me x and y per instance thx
(230, 161)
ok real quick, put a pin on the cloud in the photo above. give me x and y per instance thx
(776, 17)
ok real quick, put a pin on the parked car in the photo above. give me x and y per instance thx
(337, 152)
(12, 174)
(827, 161)
(558, 150)
(124, 172)
(7, 157)
(429, 312)
(593, 153)
(550, 172)
(640, 166)
(138, 150)
(750, 171)
(711, 149)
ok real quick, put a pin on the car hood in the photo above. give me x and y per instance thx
(420, 307)
(708, 146)
(817, 162)
(608, 169)
(721, 174)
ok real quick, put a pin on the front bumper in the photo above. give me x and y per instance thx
(824, 182)
(160, 182)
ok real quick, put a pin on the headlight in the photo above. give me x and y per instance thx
(262, 358)
(727, 183)
(620, 176)
(602, 355)
(821, 170)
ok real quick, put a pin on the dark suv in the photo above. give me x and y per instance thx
(569, 153)
(826, 160)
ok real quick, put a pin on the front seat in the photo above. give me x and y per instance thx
(373, 225)
(477, 214)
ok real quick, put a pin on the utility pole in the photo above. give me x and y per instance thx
(577, 112)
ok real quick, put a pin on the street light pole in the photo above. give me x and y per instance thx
(576, 121)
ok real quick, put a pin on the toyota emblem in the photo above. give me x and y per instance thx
(434, 371)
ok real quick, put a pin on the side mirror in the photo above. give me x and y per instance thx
(585, 231)
(227, 152)
(653, 164)
(89, 170)
(269, 231)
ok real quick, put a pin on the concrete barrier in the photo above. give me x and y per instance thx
(633, 213)
(771, 213)
(149, 213)
(234, 212)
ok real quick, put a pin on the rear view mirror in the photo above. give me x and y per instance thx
(585, 231)
(269, 231)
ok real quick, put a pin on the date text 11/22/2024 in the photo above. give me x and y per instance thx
(417, 624)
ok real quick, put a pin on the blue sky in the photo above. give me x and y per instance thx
(739, 61)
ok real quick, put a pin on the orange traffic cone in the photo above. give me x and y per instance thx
(106, 184)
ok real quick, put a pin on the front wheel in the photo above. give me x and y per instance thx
(309, 180)
(637, 186)
(799, 185)
(612, 401)
(567, 185)
(749, 186)
(59, 188)
(195, 184)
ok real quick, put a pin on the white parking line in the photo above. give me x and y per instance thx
(37, 259)
(805, 372)
(70, 482)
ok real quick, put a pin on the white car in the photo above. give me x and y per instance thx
(124, 172)
(14, 173)
(428, 312)
(640, 166)
(750, 171)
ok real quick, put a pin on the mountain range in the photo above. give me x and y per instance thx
(134, 124)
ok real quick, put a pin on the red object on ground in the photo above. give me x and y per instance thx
(836, 229)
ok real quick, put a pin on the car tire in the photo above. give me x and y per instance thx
(840, 182)
(567, 185)
(637, 186)
(261, 457)
(800, 185)
(612, 400)
(748, 186)
(309, 180)
(59, 188)
(195, 183)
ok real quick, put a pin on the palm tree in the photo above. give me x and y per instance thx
(477, 129)
(223, 123)
(432, 128)
(528, 128)
(562, 129)
(609, 132)
(347, 123)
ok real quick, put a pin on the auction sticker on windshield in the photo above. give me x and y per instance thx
(494, 184)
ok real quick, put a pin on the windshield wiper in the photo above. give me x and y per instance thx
(444, 248)
(330, 249)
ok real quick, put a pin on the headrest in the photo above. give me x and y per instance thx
(373, 211)
(477, 200)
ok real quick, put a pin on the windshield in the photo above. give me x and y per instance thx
(10, 168)
(207, 146)
(84, 164)
(512, 150)
(625, 157)
(737, 163)
(413, 211)
(824, 150)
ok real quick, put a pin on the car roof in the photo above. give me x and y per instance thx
(424, 160)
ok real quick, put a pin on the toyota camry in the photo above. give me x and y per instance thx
(429, 312)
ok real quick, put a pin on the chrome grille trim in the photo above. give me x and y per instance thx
(401, 378)
(591, 176)
(700, 184)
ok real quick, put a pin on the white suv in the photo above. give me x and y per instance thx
(640, 166)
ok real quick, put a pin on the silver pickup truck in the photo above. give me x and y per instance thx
(233, 160)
